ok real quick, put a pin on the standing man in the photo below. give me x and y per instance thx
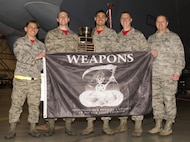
(28, 51)
(130, 39)
(104, 40)
(61, 40)
(167, 49)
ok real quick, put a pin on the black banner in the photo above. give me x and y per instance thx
(98, 84)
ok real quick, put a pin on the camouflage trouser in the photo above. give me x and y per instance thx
(163, 98)
(23, 89)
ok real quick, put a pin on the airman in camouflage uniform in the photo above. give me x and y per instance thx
(168, 51)
(61, 39)
(104, 40)
(56, 41)
(130, 39)
(26, 83)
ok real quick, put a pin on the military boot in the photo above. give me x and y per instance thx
(122, 126)
(167, 129)
(90, 126)
(33, 132)
(138, 128)
(106, 127)
(68, 128)
(157, 128)
(12, 131)
(51, 128)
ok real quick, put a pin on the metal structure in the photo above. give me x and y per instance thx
(7, 62)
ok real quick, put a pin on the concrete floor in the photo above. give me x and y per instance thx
(181, 129)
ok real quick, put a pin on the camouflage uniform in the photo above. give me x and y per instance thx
(103, 42)
(170, 60)
(26, 66)
(134, 40)
(58, 42)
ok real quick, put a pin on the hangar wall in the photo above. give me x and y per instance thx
(7, 62)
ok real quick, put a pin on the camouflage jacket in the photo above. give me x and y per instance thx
(134, 40)
(170, 59)
(25, 53)
(105, 41)
(56, 41)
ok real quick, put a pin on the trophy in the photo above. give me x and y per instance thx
(85, 40)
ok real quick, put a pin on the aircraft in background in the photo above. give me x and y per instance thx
(15, 14)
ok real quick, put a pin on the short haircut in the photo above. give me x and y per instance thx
(100, 11)
(32, 21)
(126, 12)
(163, 16)
(62, 11)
